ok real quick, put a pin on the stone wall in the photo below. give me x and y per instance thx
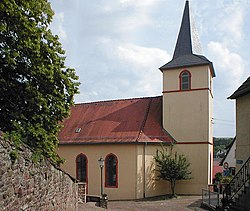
(28, 185)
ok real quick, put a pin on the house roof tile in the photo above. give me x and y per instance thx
(118, 121)
(242, 90)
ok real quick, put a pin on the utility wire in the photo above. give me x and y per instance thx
(226, 122)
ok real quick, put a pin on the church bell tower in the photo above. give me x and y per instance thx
(187, 105)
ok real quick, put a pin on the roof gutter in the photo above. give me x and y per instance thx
(109, 143)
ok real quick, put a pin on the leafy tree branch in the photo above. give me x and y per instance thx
(172, 167)
(37, 89)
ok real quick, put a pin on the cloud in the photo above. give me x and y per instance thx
(138, 2)
(57, 25)
(108, 63)
(229, 65)
(116, 19)
(115, 45)
(229, 70)
(232, 24)
(222, 19)
(227, 51)
(142, 56)
(145, 63)
(122, 70)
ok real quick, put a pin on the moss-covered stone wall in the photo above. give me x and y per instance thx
(28, 185)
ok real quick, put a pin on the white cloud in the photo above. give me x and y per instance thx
(139, 13)
(229, 65)
(142, 56)
(138, 2)
(57, 25)
(115, 45)
(119, 20)
(232, 24)
(145, 62)
(225, 20)
(229, 68)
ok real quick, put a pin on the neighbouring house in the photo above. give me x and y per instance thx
(242, 97)
(127, 132)
(216, 167)
(229, 162)
(221, 153)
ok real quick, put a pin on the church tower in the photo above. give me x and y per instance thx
(187, 106)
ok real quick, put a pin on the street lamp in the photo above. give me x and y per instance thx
(101, 164)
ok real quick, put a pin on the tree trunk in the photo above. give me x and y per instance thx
(173, 187)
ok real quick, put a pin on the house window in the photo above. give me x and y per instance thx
(232, 170)
(81, 168)
(111, 171)
(185, 80)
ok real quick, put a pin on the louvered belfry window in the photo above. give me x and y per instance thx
(185, 80)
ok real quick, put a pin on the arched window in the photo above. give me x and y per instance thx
(185, 80)
(81, 168)
(111, 171)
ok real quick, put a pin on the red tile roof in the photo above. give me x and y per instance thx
(116, 121)
(216, 167)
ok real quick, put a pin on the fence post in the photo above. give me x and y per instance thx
(82, 192)
(202, 196)
(209, 198)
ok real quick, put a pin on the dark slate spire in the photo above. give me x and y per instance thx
(184, 43)
(183, 54)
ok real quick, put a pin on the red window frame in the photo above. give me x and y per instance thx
(189, 80)
(107, 169)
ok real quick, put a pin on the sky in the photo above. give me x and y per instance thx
(117, 46)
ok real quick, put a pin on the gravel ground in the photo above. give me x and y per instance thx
(183, 203)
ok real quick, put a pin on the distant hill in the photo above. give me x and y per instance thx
(221, 144)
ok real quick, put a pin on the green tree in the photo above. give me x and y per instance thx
(36, 89)
(221, 144)
(172, 167)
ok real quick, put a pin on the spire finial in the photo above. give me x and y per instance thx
(183, 53)
(184, 43)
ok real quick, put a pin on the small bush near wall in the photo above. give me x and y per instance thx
(28, 185)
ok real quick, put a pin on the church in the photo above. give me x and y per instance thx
(126, 133)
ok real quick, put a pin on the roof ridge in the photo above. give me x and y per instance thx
(96, 137)
(231, 145)
(116, 100)
(144, 120)
(242, 90)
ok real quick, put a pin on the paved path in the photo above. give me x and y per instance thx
(183, 203)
